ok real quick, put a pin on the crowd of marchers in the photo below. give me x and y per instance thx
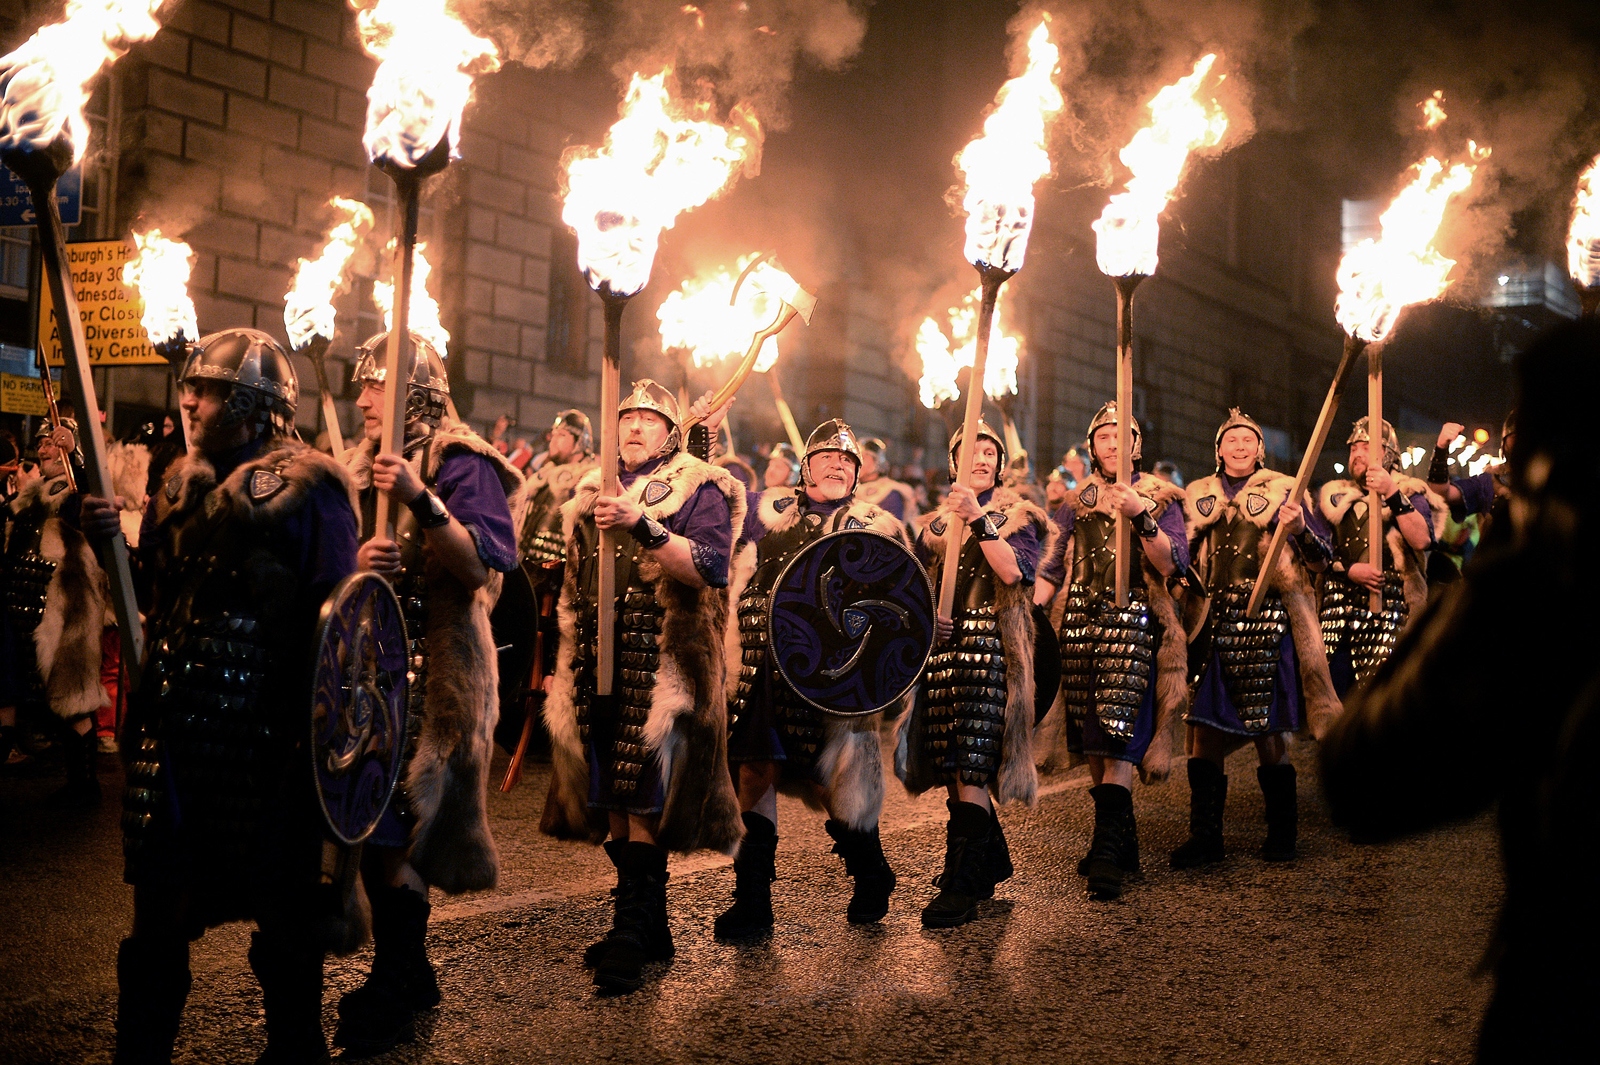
(976, 638)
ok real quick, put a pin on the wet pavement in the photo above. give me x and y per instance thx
(1349, 954)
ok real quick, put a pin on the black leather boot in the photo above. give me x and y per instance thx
(754, 870)
(1208, 794)
(641, 935)
(864, 861)
(594, 951)
(1114, 851)
(290, 973)
(962, 883)
(81, 755)
(997, 867)
(152, 987)
(1283, 812)
(381, 1013)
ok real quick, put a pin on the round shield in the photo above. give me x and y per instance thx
(851, 622)
(358, 704)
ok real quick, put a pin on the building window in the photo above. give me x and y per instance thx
(566, 346)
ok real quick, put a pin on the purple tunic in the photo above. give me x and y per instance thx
(470, 489)
(1209, 703)
(895, 504)
(1477, 495)
(1054, 569)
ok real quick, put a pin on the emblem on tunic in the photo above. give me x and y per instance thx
(1205, 505)
(57, 488)
(173, 488)
(854, 523)
(1089, 494)
(936, 526)
(997, 521)
(264, 484)
(1333, 501)
(1254, 504)
(655, 492)
(1149, 505)
(783, 504)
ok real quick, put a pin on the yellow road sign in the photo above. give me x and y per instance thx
(110, 310)
(21, 395)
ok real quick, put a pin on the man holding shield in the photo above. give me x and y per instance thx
(781, 737)
(647, 764)
(238, 550)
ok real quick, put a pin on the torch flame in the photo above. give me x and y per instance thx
(1583, 238)
(947, 349)
(308, 307)
(698, 317)
(426, 62)
(1002, 164)
(424, 320)
(660, 158)
(45, 83)
(160, 273)
(1380, 278)
(1130, 227)
(1433, 115)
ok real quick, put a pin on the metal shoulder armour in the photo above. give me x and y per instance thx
(1350, 536)
(1094, 561)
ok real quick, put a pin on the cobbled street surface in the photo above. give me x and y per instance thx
(1361, 954)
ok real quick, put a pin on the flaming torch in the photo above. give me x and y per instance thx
(308, 313)
(44, 85)
(661, 158)
(1583, 239)
(160, 274)
(426, 62)
(949, 348)
(1129, 231)
(1000, 168)
(1377, 280)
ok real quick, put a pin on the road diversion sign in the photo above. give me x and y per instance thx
(22, 395)
(16, 202)
(110, 310)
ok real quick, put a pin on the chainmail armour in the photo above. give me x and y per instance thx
(1345, 605)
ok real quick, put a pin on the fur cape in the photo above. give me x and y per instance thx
(560, 480)
(129, 466)
(66, 642)
(1172, 659)
(851, 760)
(1017, 778)
(687, 726)
(1289, 578)
(880, 488)
(1336, 499)
(447, 779)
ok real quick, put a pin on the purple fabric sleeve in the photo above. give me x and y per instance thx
(707, 524)
(1477, 495)
(1420, 502)
(753, 529)
(470, 489)
(895, 504)
(1318, 525)
(1171, 523)
(326, 538)
(1053, 567)
(1024, 543)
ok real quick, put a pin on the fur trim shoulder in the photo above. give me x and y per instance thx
(453, 438)
(1091, 496)
(681, 477)
(265, 489)
(1011, 506)
(777, 515)
(1259, 499)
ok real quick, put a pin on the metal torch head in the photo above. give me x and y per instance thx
(1238, 420)
(984, 432)
(1391, 445)
(652, 396)
(427, 383)
(265, 387)
(1107, 415)
(831, 435)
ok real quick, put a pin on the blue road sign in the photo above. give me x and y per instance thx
(16, 204)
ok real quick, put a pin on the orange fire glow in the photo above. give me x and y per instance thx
(1379, 278)
(45, 83)
(426, 62)
(949, 347)
(1002, 165)
(699, 318)
(1433, 115)
(1583, 238)
(308, 307)
(661, 158)
(424, 314)
(1180, 122)
(160, 273)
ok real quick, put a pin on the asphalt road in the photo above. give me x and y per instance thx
(1350, 954)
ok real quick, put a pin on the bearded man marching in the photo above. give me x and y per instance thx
(1261, 678)
(221, 822)
(452, 543)
(1122, 669)
(971, 730)
(647, 765)
(780, 738)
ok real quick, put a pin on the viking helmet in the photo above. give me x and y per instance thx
(1107, 415)
(265, 386)
(983, 431)
(65, 435)
(831, 435)
(876, 446)
(787, 453)
(1236, 420)
(1391, 446)
(648, 395)
(428, 385)
(577, 423)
